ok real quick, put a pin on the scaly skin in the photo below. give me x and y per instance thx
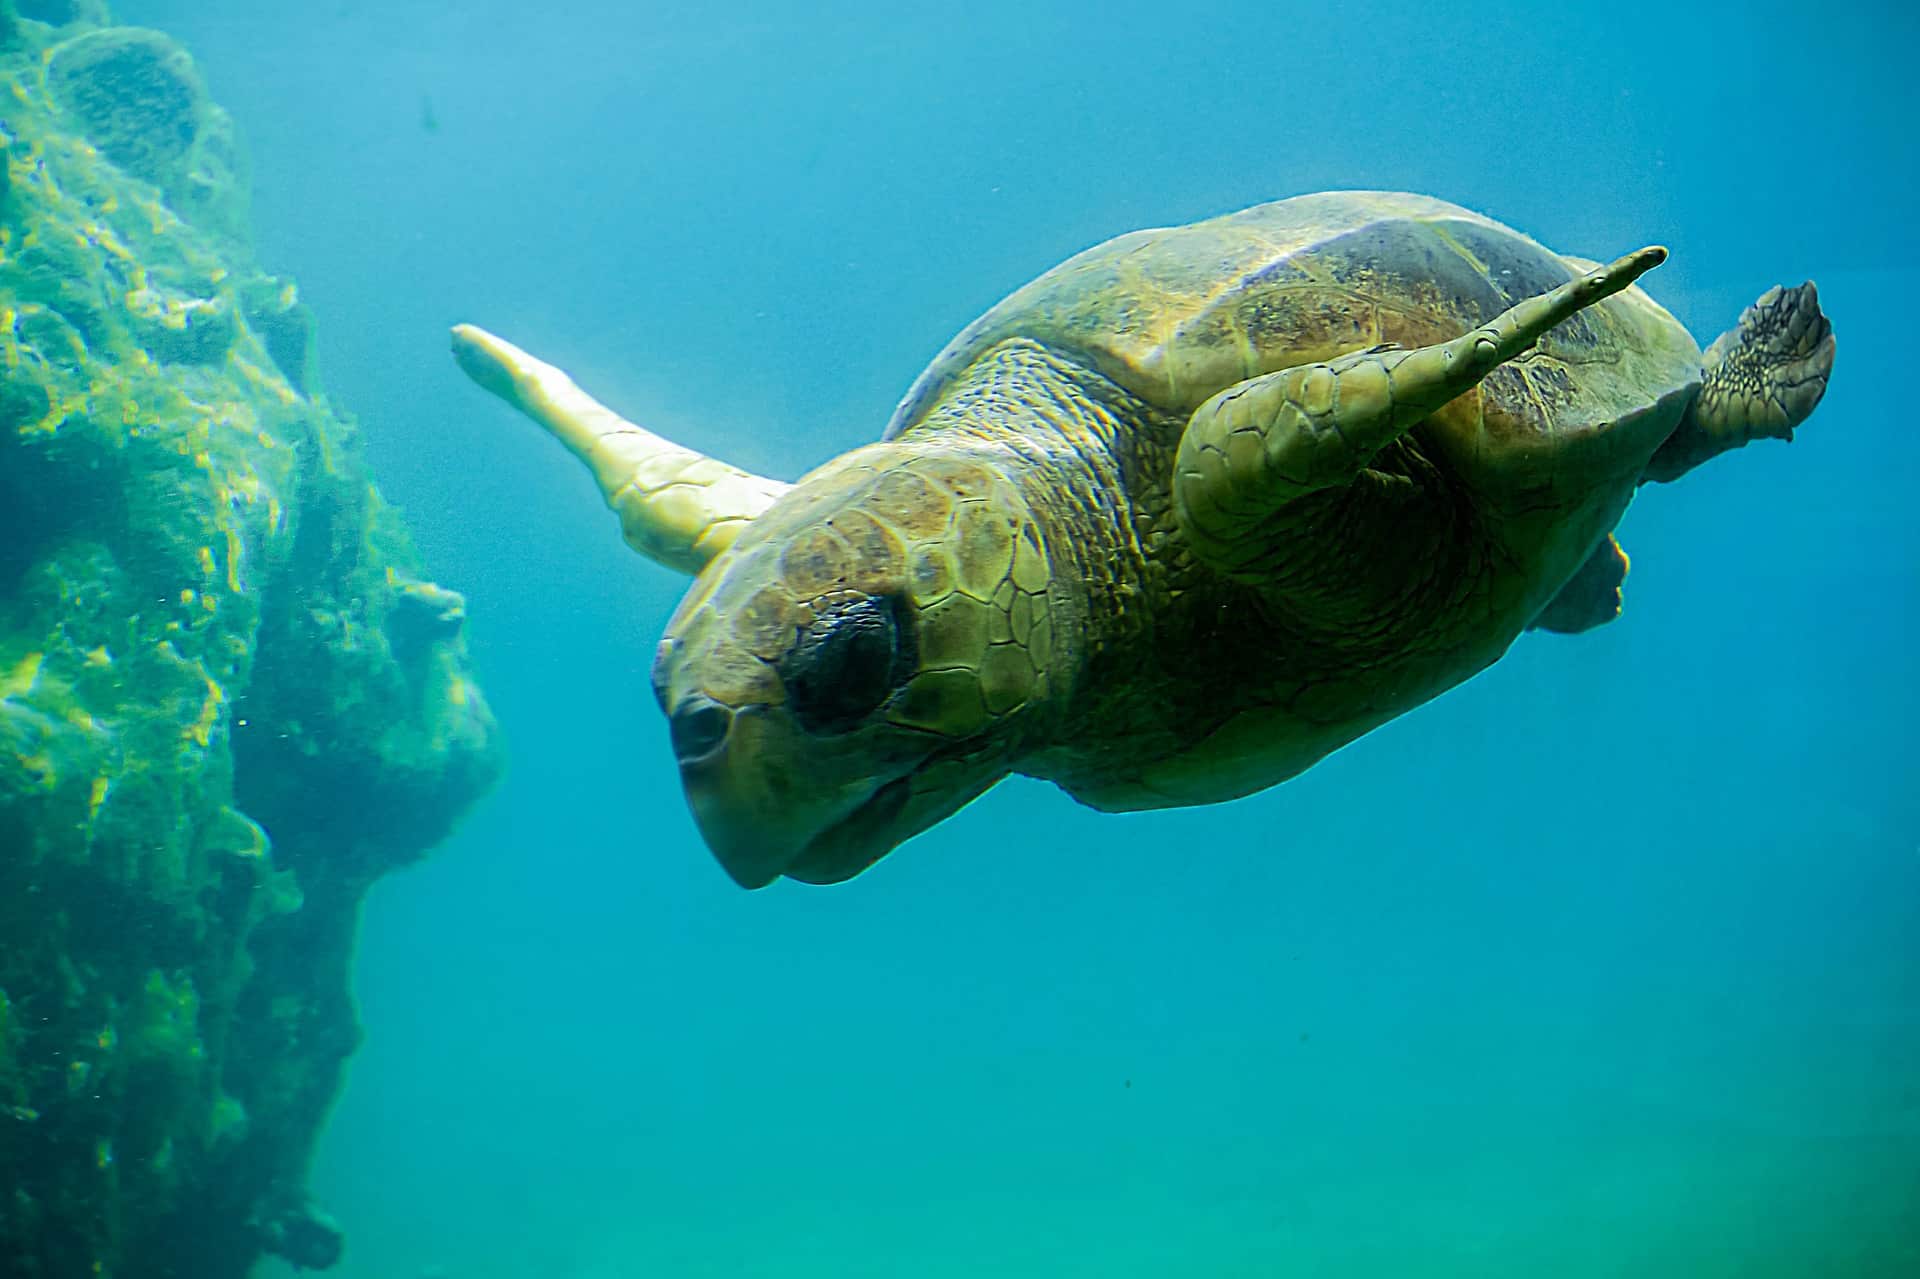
(1760, 380)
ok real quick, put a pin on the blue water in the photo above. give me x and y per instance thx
(1604, 964)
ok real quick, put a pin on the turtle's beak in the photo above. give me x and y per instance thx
(772, 800)
(768, 804)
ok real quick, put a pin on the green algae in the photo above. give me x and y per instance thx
(229, 697)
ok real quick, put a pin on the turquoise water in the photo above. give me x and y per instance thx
(1604, 964)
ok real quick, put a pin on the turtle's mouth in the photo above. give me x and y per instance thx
(857, 840)
(766, 813)
(754, 853)
(771, 800)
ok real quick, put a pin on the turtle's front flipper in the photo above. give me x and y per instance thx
(677, 507)
(1591, 596)
(1760, 379)
(1262, 443)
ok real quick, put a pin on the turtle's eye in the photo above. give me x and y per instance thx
(847, 663)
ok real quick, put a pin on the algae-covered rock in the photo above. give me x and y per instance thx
(229, 699)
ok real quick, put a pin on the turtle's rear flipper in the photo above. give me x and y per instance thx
(1760, 379)
(1591, 596)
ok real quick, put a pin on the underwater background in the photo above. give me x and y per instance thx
(1603, 964)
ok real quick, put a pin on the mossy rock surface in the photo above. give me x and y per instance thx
(229, 697)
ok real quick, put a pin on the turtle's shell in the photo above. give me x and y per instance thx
(1175, 315)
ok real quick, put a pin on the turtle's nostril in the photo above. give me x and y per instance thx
(699, 728)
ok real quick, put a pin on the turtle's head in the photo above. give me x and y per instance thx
(861, 653)
(865, 659)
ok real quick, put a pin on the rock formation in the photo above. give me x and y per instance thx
(228, 700)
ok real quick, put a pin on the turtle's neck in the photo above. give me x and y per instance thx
(1093, 462)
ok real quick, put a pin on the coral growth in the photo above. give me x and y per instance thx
(228, 702)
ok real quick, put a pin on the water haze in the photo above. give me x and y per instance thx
(1601, 965)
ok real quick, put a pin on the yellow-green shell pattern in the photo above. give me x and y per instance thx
(1178, 314)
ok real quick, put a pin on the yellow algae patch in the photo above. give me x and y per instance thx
(233, 560)
(186, 595)
(206, 561)
(99, 657)
(105, 239)
(40, 766)
(274, 386)
(245, 483)
(98, 796)
(75, 344)
(21, 678)
(55, 417)
(201, 730)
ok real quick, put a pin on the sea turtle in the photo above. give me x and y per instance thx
(1171, 523)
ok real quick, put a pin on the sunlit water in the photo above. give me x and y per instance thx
(1604, 964)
